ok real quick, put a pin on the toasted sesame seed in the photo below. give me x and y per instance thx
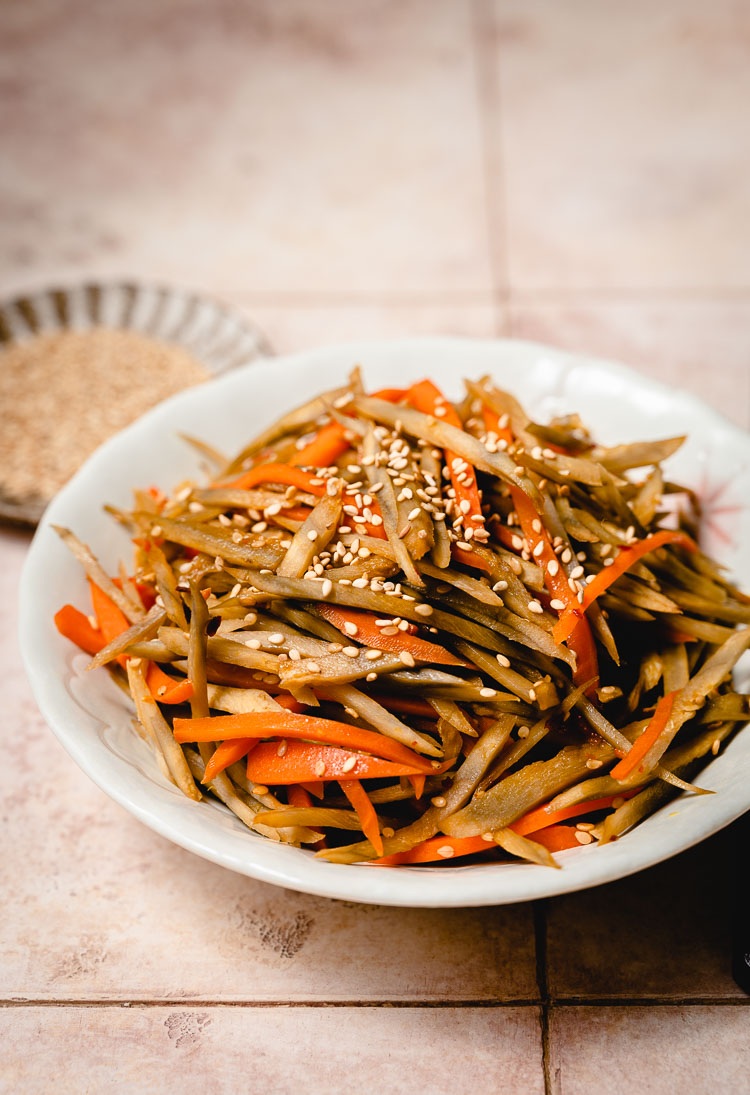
(350, 651)
(219, 562)
(583, 838)
(445, 852)
(360, 583)
(593, 763)
(320, 768)
(553, 567)
(277, 638)
(567, 555)
(523, 731)
(407, 659)
(281, 748)
(424, 609)
(538, 549)
(254, 644)
(260, 789)
(487, 693)
(557, 605)
(585, 826)
(326, 587)
(715, 746)
(464, 545)
(532, 695)
(294, 654)
(576, 572)
(534, 606)
(438, 800)
(335, 648)
(348, 764)
(312, 667)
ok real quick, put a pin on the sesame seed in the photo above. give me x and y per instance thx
(567, 555)
(423, 610)
(320, 768)
(585, 826)
(523, 731)
(487, 693)
(488, 837)
(716, 745)
(254, 644)
(503, 661)
(277, 638)
(135, 662)
(348, 764)
(557, 605)
(326, 587)
(407, 659)
(335, 648)
(618, 802)
(312, 667)
(281, 748)
(534, 606)
(350, 651)
(350, 628)
(593, 763)
(445, 852)
(440, 412)
(219, 562)
(438, 800)
(294, 654)
(260, 789)
(532, 695)
(388, 831)
(360, 583)
(464, 545)
(583, 838)
(538, 549)
(553, 567)
(576, 572)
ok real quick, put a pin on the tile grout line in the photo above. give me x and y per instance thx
(489, 117)
(539, 914)
(480, 1002)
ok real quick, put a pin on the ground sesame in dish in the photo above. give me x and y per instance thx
(63, 394)
(459, 633)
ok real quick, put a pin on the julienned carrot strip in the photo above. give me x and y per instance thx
(112, 620)
(368, 818)
(174, 691)
(417, 783)
(556, 838)
(470, 559)
(555, 578)
(403, 705)
(304, 760)
(391, 395)
(297, 795)
(226, 753)
(285, 474)
(369, 634)
(290, 704)
(74, 625)
(438, 848)
(641, 746)
(427, 398)
(326, 447)
(316, 788)
(492, 424)
(556, 581)
(541, 817)
(287, 724)
(608, 575)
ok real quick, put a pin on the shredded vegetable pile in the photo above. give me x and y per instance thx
(398, 630)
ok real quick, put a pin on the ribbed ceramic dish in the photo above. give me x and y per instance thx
(91, 717)
(217, 336)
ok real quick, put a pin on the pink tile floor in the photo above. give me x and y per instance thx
(573, 173)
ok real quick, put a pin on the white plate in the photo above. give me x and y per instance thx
(90, 716)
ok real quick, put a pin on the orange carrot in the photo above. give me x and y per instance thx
(556, 838)
(641, 746)
(304, 760)
(556, 581)
(357, 795)
(316, 788)
(417, 783)
(287, 724)
(297, 795)
(290, 704)
(429, 851)
(541, 817)
(326, 447)
(285, 474)
(403, 705)
(492, 424)
(174, 691)
(427, 398)
(226, 753)
(470, 559)
(607, 575)
(75, 626)
(369, 634)
(111, 619)
(390, 395)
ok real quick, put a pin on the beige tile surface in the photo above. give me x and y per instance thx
(695, 343)
(605, 1051)
(293, 146)
(292, 326)
(625, 142)
(97, 906)
(662, 933)
(278, 1051)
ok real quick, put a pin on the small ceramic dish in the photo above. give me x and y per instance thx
(218, 337)
(91, 717)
